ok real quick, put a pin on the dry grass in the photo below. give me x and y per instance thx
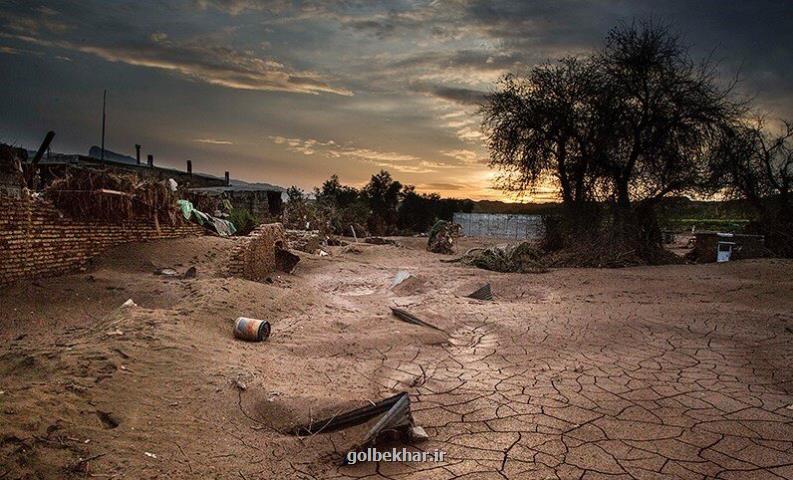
(102, 195)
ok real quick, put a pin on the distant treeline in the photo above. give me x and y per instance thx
(385, 206)
(668, 208)
(382, 207)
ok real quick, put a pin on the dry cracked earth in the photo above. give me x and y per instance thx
(676, 372)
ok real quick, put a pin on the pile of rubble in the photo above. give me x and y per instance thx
(442, 235)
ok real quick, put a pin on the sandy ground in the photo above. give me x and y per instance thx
(658, 372)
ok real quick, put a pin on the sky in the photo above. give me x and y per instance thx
(290, 92)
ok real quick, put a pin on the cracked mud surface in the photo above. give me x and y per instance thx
(648, 373)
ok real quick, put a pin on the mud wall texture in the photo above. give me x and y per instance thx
(500, 225)
(254, 256)
(37, 240)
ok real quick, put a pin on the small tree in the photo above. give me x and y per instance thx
(340, 207)
(297, 213)
(752, 163)
(539, 129)
(629, 125)
(382, 193)
(417, 212)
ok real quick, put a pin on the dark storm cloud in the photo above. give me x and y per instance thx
(464, 96)
(248, 70)
(203, 59)
(463, 59)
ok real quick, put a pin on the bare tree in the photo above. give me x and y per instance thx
(630, 125)
(538, 126)
(663, 110)
(752, 163)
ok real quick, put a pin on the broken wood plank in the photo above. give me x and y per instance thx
(408, 317)
(347, 419)
(482, 293)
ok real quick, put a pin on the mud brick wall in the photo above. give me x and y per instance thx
(253, 257)
(500, 225)
(37, 240)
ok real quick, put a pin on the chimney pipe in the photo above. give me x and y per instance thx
(190, 167)
(151, 160)
(137, 153)
(228, 180)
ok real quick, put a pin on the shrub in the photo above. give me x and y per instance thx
(243, 220)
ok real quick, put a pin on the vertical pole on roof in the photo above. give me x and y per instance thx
(137, 153)
(228, 179)
(104, 115)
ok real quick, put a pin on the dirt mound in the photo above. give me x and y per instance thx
(405, 284)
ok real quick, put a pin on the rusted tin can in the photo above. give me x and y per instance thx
(251, 329)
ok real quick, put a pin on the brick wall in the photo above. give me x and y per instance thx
(254, 256)
(36, 240)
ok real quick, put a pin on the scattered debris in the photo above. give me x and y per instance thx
(482, 293)
(395, 422)
(523, 257)
(379, 241)
(129, 303)
(335, 242)
(83, 466)
(149, 454)
(400, 277)
(109, 421)
(418, 434)
(351, 249)
(251, 329)
(408, 317)
(285, 260)
(222, 227)
(322, 253)
(442, 235)
(168, 272)
(101, 194)
(272, 395)
(114, 333)
(121, 353)
(241, 386)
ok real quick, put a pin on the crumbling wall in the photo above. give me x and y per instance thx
(37, 240)
(500, 225)
(303, 240)
(254, 256)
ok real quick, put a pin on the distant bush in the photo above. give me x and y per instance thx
(243, 220)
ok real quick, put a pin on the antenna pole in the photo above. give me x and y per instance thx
(104, 104)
